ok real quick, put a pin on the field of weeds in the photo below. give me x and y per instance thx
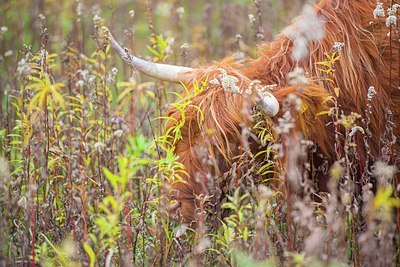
(86, 165)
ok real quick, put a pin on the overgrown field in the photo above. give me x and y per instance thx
(86, 165)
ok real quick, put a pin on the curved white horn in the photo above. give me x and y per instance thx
(164, 72)
(268, 103)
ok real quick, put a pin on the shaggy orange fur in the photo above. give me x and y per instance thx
(368, 58)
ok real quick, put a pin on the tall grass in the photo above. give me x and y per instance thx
(86, 167)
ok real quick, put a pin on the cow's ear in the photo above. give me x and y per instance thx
(312, 103)
(314, 98)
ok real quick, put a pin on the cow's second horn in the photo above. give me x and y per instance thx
(268, 103)
(165, 72)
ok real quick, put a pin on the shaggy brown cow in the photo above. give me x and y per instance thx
(369, 58)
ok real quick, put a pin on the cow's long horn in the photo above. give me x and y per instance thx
(163, 72)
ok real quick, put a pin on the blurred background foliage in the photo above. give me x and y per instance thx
(209, 27)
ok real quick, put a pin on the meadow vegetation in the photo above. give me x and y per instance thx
(86, 165)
